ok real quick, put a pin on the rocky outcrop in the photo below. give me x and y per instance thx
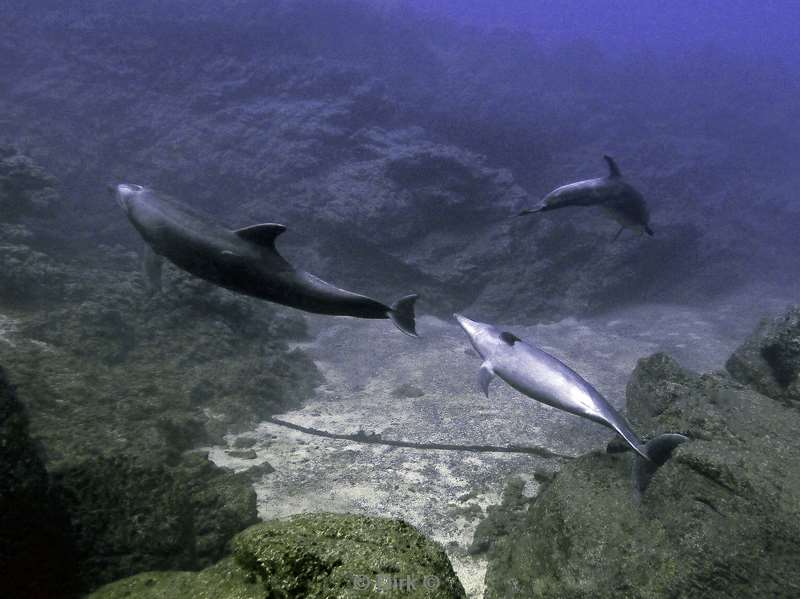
(26, 189)
(769, 361)
(36, 550)
(119, 385)
(312, 556)
(720, 519)
(131, 514)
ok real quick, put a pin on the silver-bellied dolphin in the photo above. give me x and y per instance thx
(244, 260)
(618, 199)
(544, 378)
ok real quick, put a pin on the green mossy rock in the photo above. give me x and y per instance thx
(317, 556)
(225, 580)
(720, 519)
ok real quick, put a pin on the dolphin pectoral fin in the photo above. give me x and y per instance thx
(485, 376)
(533, 210)
(151, 267)
(402, 314)
(659, 450)
(621, 229)
(264, 234)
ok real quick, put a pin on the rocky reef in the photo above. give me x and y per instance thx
(312, 556)
(118, 386)
(720, 519)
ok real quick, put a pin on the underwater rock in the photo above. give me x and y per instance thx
(36, 552)
(224, 580)
(501, 519)
(25, 188)
(769, 361)
(28, 276)
(333, 555)
(131, 515)
(110, 370)
(720, 519)
(313, 556)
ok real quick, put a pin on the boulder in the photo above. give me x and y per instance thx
(36, 550)
(720, 519)
(769, 361)
(312, 556)
(340, 555)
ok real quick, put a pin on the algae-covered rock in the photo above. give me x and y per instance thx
(36, 552)
(224, 580)
(336, 555)
(25, 188)
(769, 361)
(132, 514)
(720, 519)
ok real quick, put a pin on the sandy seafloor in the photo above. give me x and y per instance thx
(365, 362)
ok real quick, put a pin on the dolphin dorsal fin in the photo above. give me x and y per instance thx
(613, 169)
(263, 234)
(509, 338)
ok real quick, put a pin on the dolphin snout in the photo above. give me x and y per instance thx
(470, 326)
(124, 192)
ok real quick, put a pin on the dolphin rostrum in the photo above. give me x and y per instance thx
(618, 199)
(244, 260)
(544, 378)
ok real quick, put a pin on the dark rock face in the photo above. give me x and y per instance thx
(36, 552)
(769, 361)
(25, 188)
(131, 514)
(720, 519)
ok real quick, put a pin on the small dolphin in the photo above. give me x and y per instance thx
(244, 260)
(618, 199)
(544, 378)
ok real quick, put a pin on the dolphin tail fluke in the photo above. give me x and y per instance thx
(402, 314)
(659, 450)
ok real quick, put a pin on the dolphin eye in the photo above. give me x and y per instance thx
(509, 338)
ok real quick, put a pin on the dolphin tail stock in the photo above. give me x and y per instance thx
(402, 314)
(658, 450)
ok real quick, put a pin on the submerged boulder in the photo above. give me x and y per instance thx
(769, 360)
(313, 556)
(720, 519)
(340, 555)
(36, 551)
(224, 580)
(134, 514)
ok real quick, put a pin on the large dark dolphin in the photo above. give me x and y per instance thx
(244, 260)
(544, 378)
(618, 199)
